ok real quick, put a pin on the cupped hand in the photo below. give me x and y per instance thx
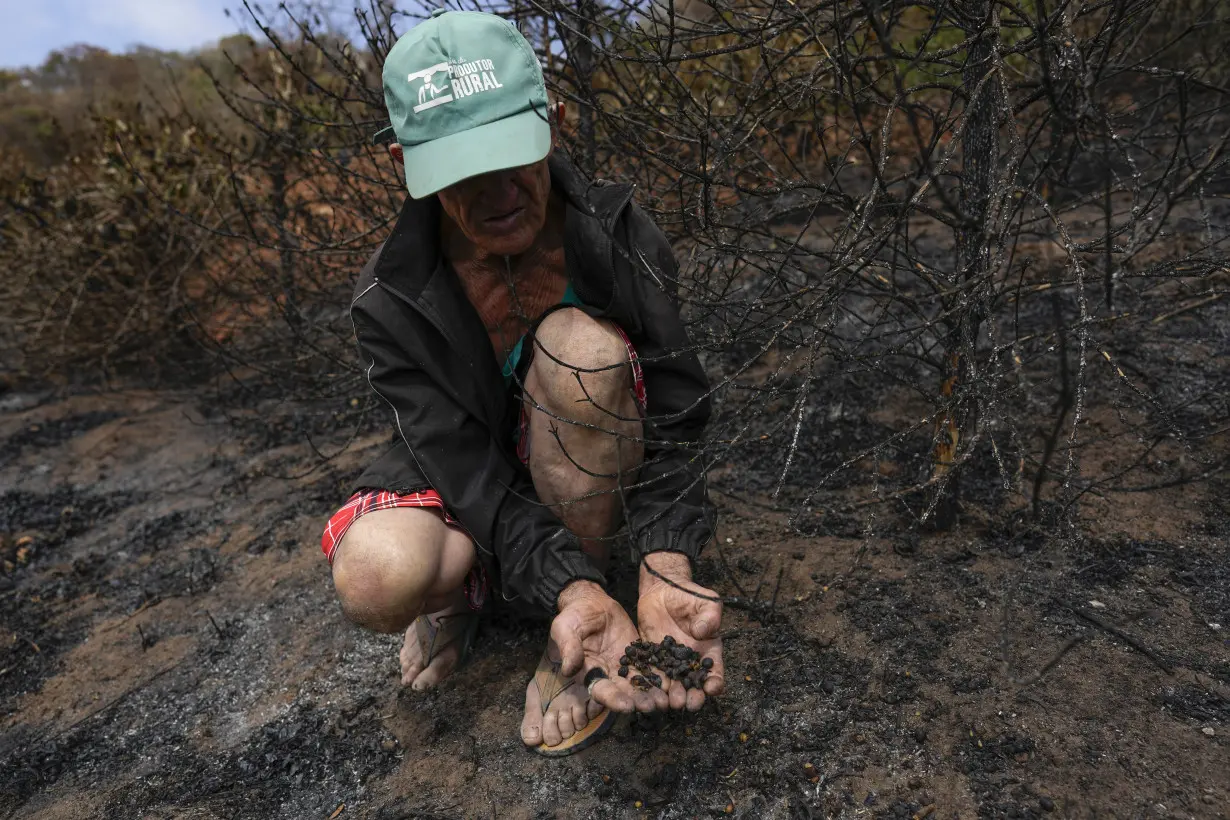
(592, 631)
(688, 612)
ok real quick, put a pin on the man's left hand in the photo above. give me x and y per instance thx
(666, 609)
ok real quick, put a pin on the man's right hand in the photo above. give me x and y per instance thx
(592, 631)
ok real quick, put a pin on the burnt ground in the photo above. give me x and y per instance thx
(169, 645)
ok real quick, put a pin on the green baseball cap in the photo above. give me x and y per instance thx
(466, 97)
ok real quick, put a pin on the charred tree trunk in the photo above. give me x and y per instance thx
(980, 155)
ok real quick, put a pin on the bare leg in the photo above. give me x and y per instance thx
(578, 469)
(394, 565)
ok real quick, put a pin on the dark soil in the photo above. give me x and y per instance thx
(170, 645)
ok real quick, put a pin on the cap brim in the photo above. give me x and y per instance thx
(521, 139)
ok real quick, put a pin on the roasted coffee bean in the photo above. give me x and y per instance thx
(670, 658)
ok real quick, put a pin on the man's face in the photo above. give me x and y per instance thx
(501, 212)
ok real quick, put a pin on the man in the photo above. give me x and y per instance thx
(521, 324)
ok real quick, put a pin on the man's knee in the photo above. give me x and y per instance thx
(384, 571)
(569, 343)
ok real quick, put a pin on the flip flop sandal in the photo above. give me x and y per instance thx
(550, 685)
(438, 632)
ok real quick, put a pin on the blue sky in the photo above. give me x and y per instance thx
(34, 28)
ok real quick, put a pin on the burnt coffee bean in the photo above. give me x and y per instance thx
(670, 658)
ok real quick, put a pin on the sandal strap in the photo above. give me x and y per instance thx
(550, 682)
(438, 632)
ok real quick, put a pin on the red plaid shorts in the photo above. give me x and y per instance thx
(477, 583)
(363, 502)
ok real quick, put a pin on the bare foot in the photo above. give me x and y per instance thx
(566, 714)
(413, 673)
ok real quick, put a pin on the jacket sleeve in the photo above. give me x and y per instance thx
(536, 555)
(670, 510)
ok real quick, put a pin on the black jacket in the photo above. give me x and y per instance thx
(426, 353)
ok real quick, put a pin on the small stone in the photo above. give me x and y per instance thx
(389, 745)
(1097, 605)
(1047, 804)
(1209, 730)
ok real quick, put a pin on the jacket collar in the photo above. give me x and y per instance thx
(411, 254)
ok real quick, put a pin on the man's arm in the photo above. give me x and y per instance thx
(670, 510)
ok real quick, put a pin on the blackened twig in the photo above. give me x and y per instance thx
(1131, 641)
(217, 628)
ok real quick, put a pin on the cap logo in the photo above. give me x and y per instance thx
(445, 82)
